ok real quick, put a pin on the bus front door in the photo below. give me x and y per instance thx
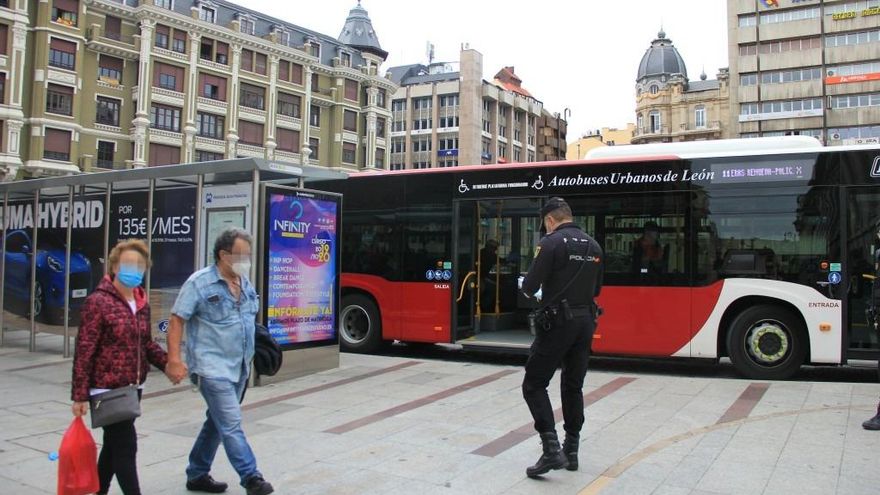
(495, 245)
(863, 211)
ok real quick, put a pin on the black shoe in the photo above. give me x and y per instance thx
(873, 423)
(206, 483)
(258, 486)
(570, 449)
(552, 458)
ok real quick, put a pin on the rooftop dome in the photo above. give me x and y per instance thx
(358, 32)
(661, 59)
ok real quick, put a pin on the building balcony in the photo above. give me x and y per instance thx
(254, 113)
(688, 129)
(162, 136)
(211, 105)
(210, 144)
(294, 122)
(210, 64)
(250, 150)
(287, 156)
(164, 52)
(166, 96)
(114, 44)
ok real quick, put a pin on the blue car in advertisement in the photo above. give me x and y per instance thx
(48, 305)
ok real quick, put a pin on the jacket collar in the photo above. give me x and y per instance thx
(140, 295)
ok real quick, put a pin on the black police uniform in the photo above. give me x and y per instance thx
(565, 253)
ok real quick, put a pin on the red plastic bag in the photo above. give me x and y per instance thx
(77, 461)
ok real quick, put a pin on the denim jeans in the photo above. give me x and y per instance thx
(223, 424)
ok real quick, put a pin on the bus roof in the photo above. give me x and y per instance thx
(717, 147)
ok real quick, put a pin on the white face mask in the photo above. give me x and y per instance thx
(241, 268)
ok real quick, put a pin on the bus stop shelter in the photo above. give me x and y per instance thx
(57, 233)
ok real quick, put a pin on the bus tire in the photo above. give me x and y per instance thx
(360, 328)
(767, 342)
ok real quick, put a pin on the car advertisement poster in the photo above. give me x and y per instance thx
(301, 267)
(172, 250)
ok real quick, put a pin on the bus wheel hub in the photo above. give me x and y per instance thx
(767, 342)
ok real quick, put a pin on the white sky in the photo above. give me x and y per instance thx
(576, 54)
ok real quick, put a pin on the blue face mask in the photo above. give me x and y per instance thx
(130, 276)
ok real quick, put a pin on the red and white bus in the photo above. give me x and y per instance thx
(751, 249)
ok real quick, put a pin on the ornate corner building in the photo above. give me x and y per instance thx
(109, 84)
(670, 107)
(444, 117)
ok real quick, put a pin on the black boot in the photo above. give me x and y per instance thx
(552, 457)
(570, 449)
(873, 423)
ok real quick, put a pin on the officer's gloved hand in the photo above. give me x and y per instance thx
(538, 295)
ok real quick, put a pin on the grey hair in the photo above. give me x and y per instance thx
(227, 239)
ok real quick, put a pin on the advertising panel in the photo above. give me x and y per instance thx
(301, 266)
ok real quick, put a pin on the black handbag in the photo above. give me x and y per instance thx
(119, 404)
(268, 355)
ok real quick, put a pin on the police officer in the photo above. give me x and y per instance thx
(568, 270)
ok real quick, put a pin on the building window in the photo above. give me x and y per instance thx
(284, 38)
(178, 43)
(314, 146)
(747, 20)
(640, 119)
(502, 150)
(250, 133)
(207, 14)
(654, 89)
(349, 120)
(380, 158)
(422, 124)
(2, 91)
(449, 143)
(106, 150)
(789, 15)
(168, 77)
(288, 105)
(787, 76)
(164, 4)
(398, 106)
(296, 73)
(247, 25)
(210, 126)
(349, 152)
(857, 38)
(208, 156)
(345, 57)
(112, 28)
(794, 45)
(59, 99)
(62, 54)
(422, 103)
(213, 87)
(351, 90)
(57, 145)
(449, 100)
(108, 111)
(517, 154)
(110, 69)
(380, 127)
(315, 116)
(532, 156)
(381, 98)
(748, 79)
(161, 154)
(162, 34)
(654, 121)
(746, 50)
(700, 117)
(421, 145)
(855, 101)
(260, 63)
(288, 140)
(165, 118)
(450, 121)
(247, 60)
(398, 126)
(65, 11)
(252, 97)
(222, 56)
(314, 49)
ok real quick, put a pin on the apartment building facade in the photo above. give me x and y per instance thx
(111, 84)
(808, 67)
(443, 117)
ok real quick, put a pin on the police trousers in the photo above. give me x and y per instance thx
(567, 344)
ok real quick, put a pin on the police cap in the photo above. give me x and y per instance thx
(552, 204)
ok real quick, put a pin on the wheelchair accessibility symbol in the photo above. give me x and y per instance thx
(538, 184)
(463, 188)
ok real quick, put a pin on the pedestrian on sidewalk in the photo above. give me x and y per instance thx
(568, 269)
(113, 340)
(217, 307)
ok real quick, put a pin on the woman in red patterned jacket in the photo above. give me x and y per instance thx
(114, 335)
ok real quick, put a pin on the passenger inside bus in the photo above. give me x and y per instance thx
(649, 257)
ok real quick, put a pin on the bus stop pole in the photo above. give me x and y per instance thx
(67, 271)
(32, 343)
(197, 237)
(3, 268)
(150, 229)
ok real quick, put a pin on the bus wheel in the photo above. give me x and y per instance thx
(767, 342)
(360, 328)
